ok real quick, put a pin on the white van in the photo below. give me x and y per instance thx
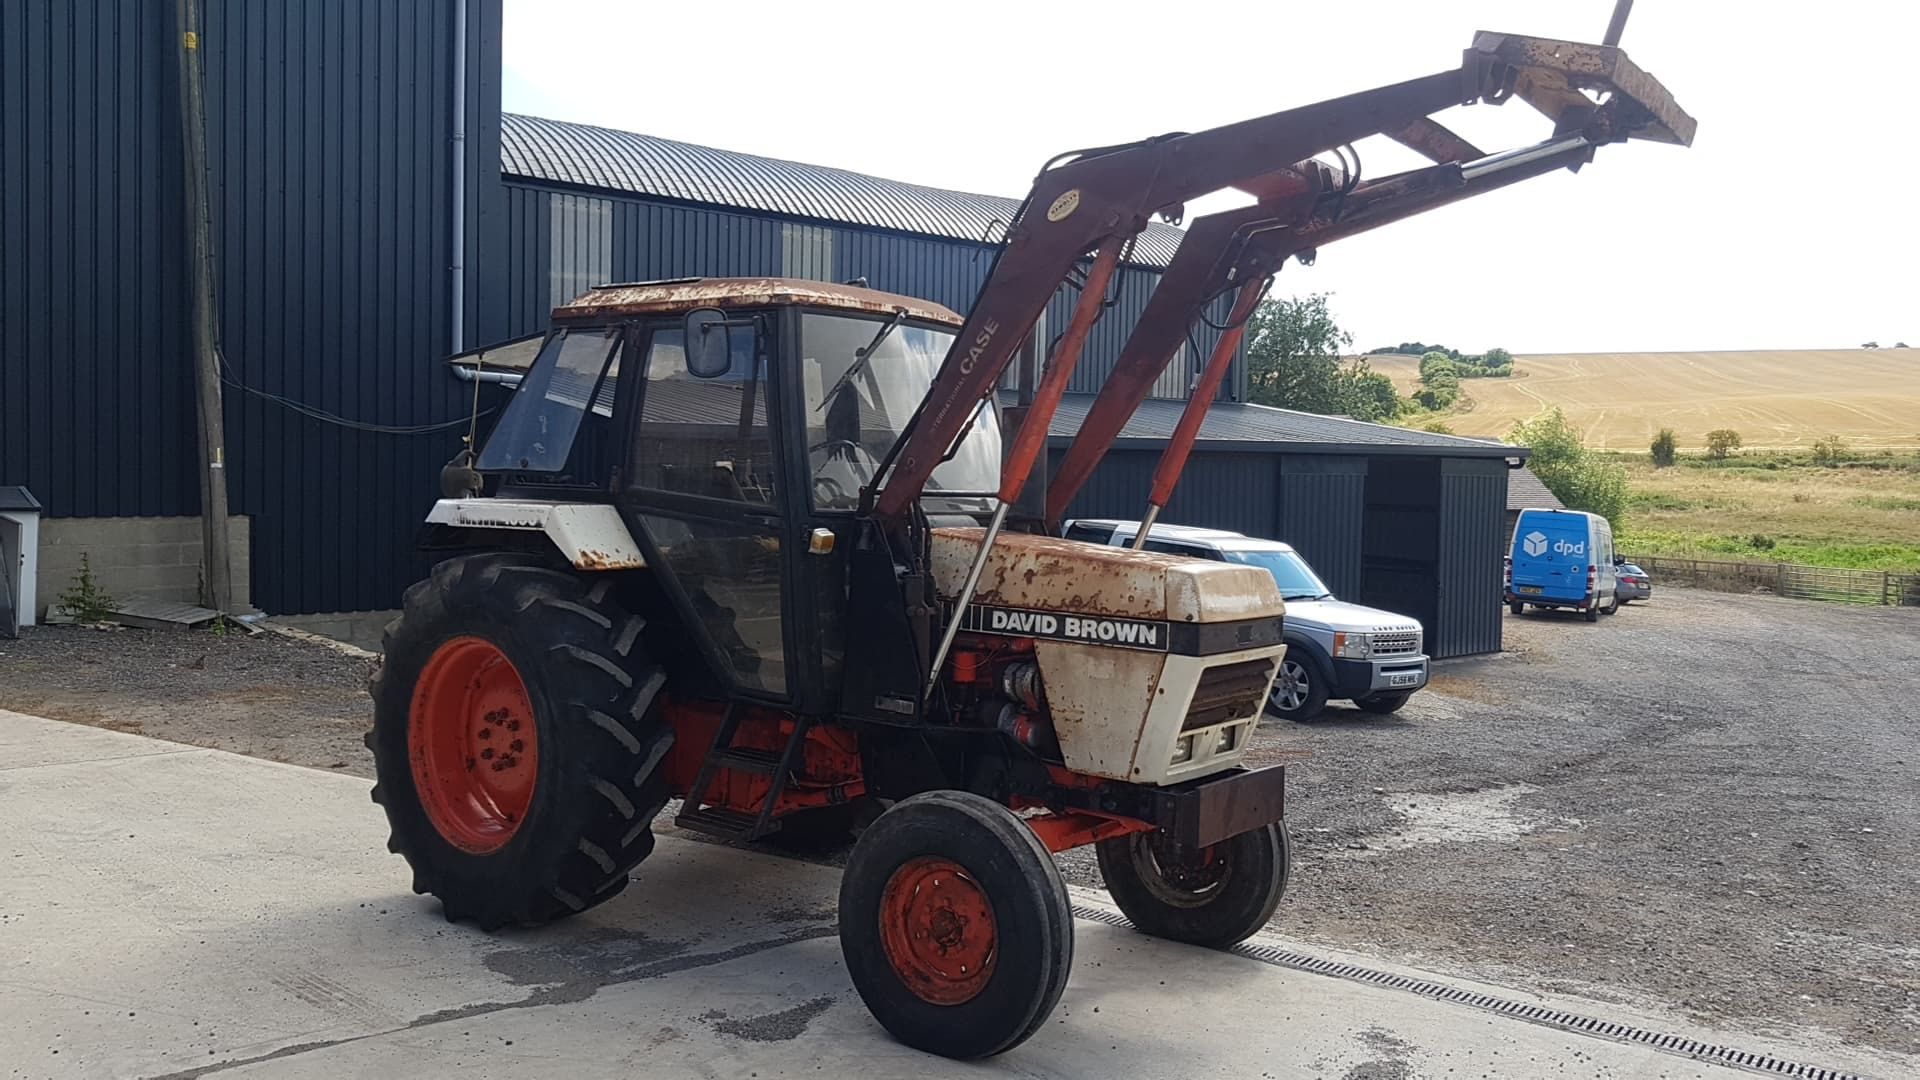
(1563, 559)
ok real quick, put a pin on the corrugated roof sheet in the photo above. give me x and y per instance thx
(1239, 422)
(556, 151)
(1526, 492)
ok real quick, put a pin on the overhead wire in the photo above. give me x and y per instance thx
(230, 378)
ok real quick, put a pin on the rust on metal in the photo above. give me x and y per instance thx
(1553, 75)
(680, 297)
(1434, 141)
(587, 559)
(1064, 830)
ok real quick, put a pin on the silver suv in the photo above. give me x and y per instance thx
(1335, 649)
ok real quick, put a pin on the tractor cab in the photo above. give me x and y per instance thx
(734, 425)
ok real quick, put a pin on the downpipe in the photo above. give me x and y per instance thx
(457, 240)
(476, 375)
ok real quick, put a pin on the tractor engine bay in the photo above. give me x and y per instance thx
(1146, 668)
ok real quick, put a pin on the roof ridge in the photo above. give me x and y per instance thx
(1367, 423)
(856, 174)
(615, 159)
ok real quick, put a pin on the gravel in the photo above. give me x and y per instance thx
(1705, 803)
(260, 694)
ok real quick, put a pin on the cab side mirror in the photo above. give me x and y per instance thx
(1619, 560)
(709, 339)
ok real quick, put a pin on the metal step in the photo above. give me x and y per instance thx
(722, 822)
(748, 759)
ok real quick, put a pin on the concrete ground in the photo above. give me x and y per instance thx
(170, 911)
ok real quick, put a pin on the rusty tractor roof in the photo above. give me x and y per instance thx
(687, 294)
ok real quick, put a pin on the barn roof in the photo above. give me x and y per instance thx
(582, 155)
(1246, 426)
(1526, 492)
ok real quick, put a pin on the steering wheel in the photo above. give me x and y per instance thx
(829, 494)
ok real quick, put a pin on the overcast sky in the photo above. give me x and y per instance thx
(1791, 223)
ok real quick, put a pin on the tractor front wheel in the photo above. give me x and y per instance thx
(516, 740)
(1215, 896)
(955, 925)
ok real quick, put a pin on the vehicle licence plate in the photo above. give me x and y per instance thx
(1410, 678)
(1530, 590)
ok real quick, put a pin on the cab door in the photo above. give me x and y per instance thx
(704, 489)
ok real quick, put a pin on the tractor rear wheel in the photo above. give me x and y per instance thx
(1216, 896)
(955, 925)
(516, 740)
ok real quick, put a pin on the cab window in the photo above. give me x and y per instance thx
(705, 436)
(572, 376)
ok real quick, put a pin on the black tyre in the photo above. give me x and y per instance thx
(1382, 703)
(955, 925)
(516, 740)
(1216, 896)
(1300, 690)
(1517, 607)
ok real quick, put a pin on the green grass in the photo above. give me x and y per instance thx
(1895, 557)
(1886, 502)
(1777, 507)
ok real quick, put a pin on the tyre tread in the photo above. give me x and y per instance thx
(600, 688)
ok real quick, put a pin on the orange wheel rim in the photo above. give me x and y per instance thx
(936, 925)
(474, 745)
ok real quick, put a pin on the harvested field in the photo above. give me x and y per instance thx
(1775, 400)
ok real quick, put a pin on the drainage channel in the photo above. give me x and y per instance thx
(1536, 1014)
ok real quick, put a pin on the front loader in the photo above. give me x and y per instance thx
(746, 543)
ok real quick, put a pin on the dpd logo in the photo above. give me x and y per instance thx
(1535, 543)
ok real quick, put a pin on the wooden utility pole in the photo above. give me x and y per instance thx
(206, 343)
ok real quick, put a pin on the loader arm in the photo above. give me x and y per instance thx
(1098, 199)
(1254, 244)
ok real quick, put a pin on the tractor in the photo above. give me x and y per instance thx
(764, 546)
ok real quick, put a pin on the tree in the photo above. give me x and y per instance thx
(1369, 395)
(1830, 451)
(1581, 480)
(1496, 357)
(1293, 362)
(1439, 382)
(1663, 447)
(1293, 355)
(1721, 442)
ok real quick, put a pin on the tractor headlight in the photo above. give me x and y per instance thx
(1353, 646)
(1183, 750)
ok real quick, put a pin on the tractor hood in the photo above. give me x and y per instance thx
(1039, 573)
(1155, 667)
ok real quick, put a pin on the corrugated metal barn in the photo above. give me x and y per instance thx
(332, 141)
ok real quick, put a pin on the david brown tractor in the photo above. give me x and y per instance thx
(759, 545)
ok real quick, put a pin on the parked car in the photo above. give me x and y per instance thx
(1562, 559)
(1631, 582)
(1335, 650)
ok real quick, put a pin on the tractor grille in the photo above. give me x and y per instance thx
(1396, 643)
(1229, 692)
